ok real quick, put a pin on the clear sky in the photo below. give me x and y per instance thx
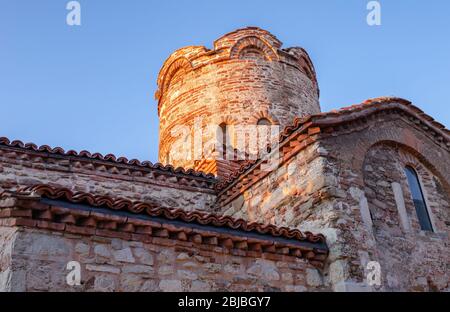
(91, 86)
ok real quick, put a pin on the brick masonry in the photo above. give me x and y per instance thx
(245, 77)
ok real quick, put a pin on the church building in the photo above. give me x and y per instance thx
(355, 199)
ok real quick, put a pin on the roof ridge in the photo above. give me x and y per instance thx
(108, 157)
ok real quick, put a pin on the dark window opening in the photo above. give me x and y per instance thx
(223, 138)
(264, 122)
(419, 199)
(264, 135)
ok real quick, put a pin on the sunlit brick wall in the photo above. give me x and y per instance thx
(247, 76)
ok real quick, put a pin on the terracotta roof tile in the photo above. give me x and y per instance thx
(172, 214)
(97, 156)
(61, 209)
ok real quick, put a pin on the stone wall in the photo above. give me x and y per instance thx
(411, 259)
(366, 160)
(39, 260)
(285, 195)
(296, 195)
(7, 239)
(342, 186)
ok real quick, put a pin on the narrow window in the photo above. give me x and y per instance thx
(264, 135)
(223, 138)
(419, 200)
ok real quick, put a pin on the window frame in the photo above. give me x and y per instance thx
(426, 207)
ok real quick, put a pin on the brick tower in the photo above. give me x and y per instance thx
(246, 79)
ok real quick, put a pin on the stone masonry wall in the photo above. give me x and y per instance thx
(296, 195)
(284, 194)
(365, 165)
(334, 185)
(411, 259)
(7, 239)
(39, 260)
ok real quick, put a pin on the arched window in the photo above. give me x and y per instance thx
(251, 53)
(263, 122)
(419, 199)
(176, 77)
(263, 138)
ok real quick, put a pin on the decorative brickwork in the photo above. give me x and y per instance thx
(246, 74)
(306, 130)
(170, 250)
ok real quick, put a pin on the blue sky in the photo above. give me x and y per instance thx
(91, 86)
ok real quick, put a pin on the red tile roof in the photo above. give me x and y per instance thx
(97, 156)
(172, 214)
(107, 210)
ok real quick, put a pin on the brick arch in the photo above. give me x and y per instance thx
(256, 43)
(227, 119)
(408, 155)
(264, 114)
(407, 138)
(230, 122)
(307, 66)
(427, 172)
(181, 63)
